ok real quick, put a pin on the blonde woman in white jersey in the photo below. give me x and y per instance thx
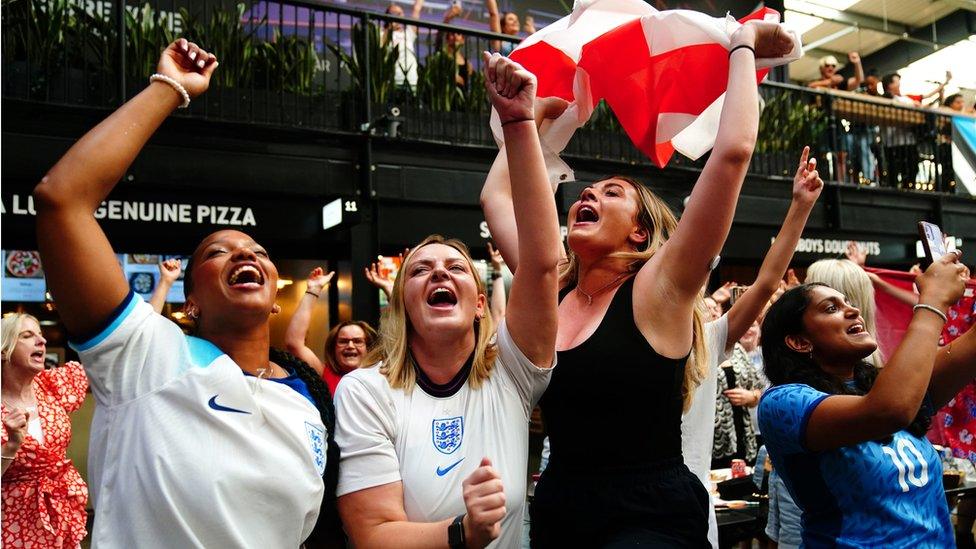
(214, 440)
(434, 439)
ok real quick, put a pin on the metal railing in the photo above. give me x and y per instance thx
(308, 64)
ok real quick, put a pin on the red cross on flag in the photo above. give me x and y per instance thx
(663, 73)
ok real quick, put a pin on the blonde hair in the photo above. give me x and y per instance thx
(392, 347)
(10, 328)
(658, 220)
(849, 279)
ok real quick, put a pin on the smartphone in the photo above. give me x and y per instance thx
(932, 240)
(736, 292)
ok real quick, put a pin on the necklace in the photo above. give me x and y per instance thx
(589, 297)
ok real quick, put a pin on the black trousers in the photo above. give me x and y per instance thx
(662, 505)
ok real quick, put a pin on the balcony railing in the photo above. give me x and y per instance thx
(308, 64)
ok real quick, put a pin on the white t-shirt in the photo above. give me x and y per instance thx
(432, 444)
(698, 423)
(406, 66)
(188, 452)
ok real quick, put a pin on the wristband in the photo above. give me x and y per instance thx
(931, 308)
(309, 292)
(743, 46)
(455, 534)
(495, 275)
(518, 120)
(175, 85)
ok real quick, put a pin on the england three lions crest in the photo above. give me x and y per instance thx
(447, 434)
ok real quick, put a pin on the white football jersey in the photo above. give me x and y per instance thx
(188, 452)
(432, 444)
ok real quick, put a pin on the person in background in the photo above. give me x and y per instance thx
(453, 44)
(722, 331)
(737, 391)
(497, 283)
(434, 435)
(872, 83)
(842, 433)
(169, 273)
(829, 78)
(345, 346)
(261, 468)
(851, 280)
(404, 37)
(892, 90)
(506, 23)
(44, 497)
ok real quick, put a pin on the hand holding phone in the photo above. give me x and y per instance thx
(933, 242)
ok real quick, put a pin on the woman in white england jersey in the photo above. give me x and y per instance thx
(434, 439)
(207, 441)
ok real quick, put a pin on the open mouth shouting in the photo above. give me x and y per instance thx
(586, 215)
(442, 298)
(246, 276)
(857, 329)
(37, 356)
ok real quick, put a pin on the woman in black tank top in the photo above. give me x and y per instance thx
(630, 315)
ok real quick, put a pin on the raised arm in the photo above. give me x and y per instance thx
(169, 272)
(498, 298)
(859, 256)
(531, 311)
(955, 366)
(298, 326)
(854, 82)
(374, 277)
(806, 189)
(678, 271)
(494, 22)
(894, 400)
(418, 6)
(496, 196)
(82, 271)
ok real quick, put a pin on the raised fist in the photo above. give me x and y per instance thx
(188, 64)
(511, 88)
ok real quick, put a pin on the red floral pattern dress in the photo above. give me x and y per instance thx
(44, 497)
(955, 424)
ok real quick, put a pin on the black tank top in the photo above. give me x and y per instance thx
(613, 401)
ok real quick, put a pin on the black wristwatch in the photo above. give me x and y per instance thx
(455, 534)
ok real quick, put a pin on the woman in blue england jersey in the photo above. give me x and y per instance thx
(434, 438)
(848, 438)
(214, 440)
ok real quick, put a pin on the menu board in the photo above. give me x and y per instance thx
(23, 275)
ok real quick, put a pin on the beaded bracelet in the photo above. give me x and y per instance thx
(176, 86)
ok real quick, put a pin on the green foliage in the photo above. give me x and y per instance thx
(147, 32)
(437, 85)
(789, 122)
(369, 44)
(36, 31)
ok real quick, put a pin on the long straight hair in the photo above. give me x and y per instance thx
(393, 346)
(655, 217)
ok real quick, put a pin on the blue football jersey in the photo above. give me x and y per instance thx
(866, 495)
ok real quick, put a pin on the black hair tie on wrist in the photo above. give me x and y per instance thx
(741, 46)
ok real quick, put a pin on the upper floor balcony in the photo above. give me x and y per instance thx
(309, 65)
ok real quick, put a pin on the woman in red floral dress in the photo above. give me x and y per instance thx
(44, 497)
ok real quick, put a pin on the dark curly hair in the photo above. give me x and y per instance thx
(784, 365)
(328, 529)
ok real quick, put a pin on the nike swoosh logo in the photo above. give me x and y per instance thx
(213, 404)
(444, 471)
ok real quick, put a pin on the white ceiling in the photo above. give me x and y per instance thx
(913, 13)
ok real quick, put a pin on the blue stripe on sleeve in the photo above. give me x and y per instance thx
(109, 325)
